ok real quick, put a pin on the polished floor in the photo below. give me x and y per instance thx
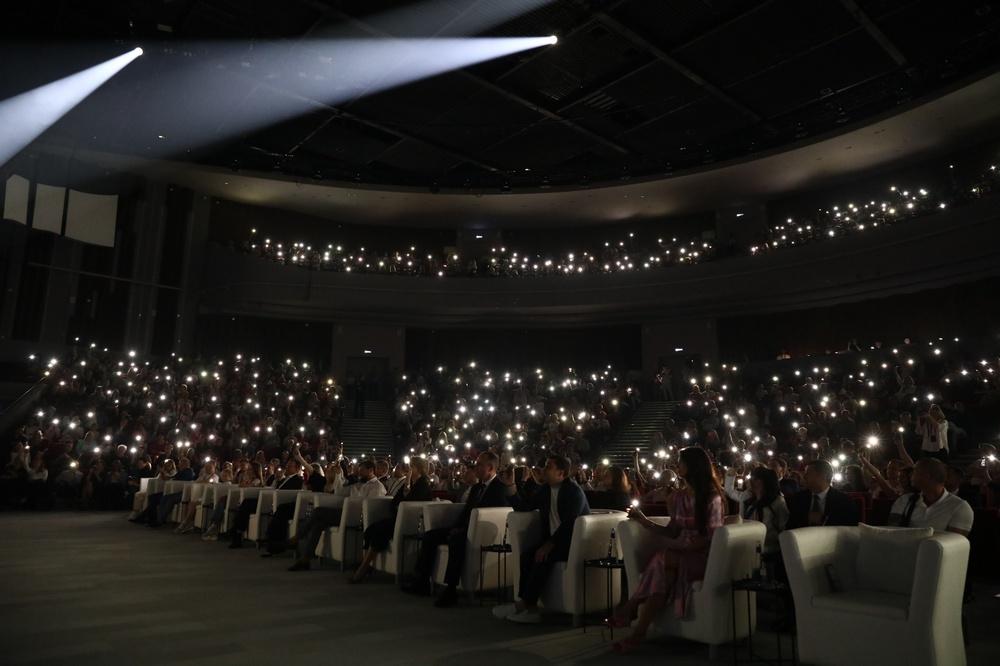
(91, 588)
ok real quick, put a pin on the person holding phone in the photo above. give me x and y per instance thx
(696, 512)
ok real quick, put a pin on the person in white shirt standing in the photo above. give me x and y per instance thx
(934, 428)
(932, 505)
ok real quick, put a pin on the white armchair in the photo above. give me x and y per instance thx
(861, 625)
(564, 591)
(342, 541)
(265, 508)
(408, 517)
(732, 556)
(486, 527)
(304, 501)
(212, 495)
(237, 496)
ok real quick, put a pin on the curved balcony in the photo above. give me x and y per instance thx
(939, 250)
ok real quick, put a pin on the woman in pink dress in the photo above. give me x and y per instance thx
(696, 512)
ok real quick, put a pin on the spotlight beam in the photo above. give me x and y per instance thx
(233, 91)
(24, 117)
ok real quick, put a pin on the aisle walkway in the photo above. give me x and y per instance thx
(91, 588)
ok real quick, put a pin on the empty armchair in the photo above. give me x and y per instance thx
(894, 599)
(732, 556)
(564, 590)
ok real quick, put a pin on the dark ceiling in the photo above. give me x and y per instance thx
(634, 87)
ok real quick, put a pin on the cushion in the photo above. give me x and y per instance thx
(865, 602)
(887, 557)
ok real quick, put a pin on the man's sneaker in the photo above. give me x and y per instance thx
(503, 611)
(527, 616)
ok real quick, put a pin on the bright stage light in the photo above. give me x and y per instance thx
(24, 117)
(554, 39)
(231, 92)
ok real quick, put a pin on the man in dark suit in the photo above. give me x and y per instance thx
(819, 504)
(488, 492)
(292, 481)
(559, 503)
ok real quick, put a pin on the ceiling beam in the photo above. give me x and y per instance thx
(631, 35)
(630, 70)
(336, 112)
(880, 37)
(500, 90)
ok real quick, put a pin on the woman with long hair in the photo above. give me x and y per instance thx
(767, 506)
(696, 512)
(615, 491)
(379, 534)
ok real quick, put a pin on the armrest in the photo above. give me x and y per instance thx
(807, 551)
(286, 496)
(351, 512)
(376, 509)
(441, 515)
(249, 493)
(408, 517)
(265, 501)
(637, 544)
(939, 579)
(524, 530)
(328, 500)
(487, 526)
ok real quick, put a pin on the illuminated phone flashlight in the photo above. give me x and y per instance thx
(635, 503)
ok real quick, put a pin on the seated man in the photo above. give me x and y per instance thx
(819, 504)
(488, 492)
(292, 481)
(324, 517)
(559, 503)
(932, 505)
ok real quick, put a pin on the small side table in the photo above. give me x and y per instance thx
(609, 564)
(407, 539)
(759, 586)
(502, 550)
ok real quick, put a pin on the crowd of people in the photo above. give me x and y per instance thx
(108, 420)
(632, 252)
(789, 443)
(447, 413)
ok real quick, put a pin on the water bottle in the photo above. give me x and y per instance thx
(612, 546)
(506, 529)
(420, 525)
(759, 569)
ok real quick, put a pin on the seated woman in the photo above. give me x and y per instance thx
(768, 506)
(615, 491)
(696, 512)
(378, 535)
(251, 476)
(207, 475)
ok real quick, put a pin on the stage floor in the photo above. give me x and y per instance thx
(92, 588)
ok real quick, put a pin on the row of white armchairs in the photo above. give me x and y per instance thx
(732, 555)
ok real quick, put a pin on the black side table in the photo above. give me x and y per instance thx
(406, 538)
(759, 586)
(609, 564)
(502, 550)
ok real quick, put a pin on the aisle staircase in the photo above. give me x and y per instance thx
(370, 436)
(649, 418)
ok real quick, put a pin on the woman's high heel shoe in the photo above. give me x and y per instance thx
(626, 645)
(618, 622)
(360, 575)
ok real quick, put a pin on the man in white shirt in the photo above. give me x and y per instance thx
(932, 505)
(324, 517)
